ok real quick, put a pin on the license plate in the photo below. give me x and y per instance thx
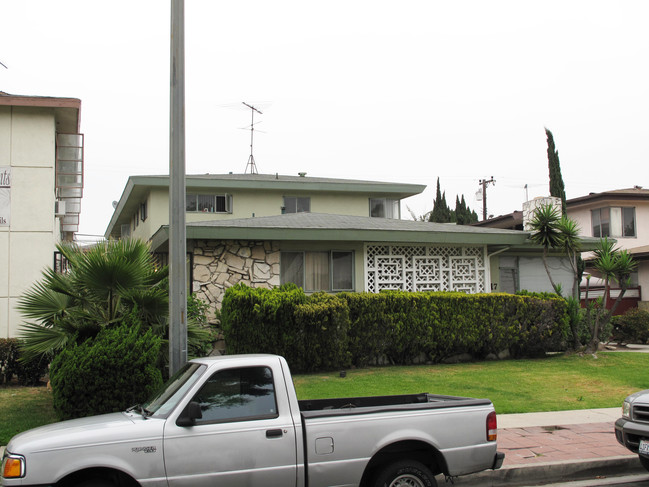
(644, 447)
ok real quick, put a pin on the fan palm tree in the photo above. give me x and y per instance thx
(103, 283)
(546, 232)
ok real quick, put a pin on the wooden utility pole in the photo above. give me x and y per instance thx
(484, 183)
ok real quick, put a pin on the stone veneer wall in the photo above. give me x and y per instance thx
(220, 264)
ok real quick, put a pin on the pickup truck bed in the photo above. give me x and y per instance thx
(429, 400)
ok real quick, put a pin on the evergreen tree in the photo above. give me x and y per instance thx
(441, 212)
(556, 181)
(464, 215)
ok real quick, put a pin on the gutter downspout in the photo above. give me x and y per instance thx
(489, 256)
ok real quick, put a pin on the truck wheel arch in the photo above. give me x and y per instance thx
(417, 450)
(98, 476)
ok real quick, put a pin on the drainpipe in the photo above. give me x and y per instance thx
(489, 256)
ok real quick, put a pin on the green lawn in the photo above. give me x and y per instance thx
(23, 408)
(515, 386)
(555, 383)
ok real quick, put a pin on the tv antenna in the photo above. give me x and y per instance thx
(251, 160)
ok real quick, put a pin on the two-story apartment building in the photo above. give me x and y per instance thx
(323, 234)
(41, 184)
(622, 215)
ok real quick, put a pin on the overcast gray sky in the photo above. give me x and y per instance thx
(404, 91)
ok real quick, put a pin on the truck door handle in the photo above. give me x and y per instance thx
(274, 433)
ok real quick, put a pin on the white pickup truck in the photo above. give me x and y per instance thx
(236, 420)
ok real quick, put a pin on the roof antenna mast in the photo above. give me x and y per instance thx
(251, 160)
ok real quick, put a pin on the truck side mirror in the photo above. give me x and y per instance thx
(190, 414)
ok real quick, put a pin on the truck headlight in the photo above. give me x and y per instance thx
(13, 466)
(626, 410)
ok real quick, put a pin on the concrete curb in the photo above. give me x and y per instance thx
(534, 474)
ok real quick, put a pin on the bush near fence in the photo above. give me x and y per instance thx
(320, 332)
(11, 367)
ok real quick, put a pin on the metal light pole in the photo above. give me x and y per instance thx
(177, 231)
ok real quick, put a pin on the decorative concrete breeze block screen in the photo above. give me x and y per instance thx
(425, 268)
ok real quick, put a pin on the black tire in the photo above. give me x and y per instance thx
(95, 482)
(645, 462)
(405, 473)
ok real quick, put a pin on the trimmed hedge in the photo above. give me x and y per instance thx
(321, 331)
(108, 373)
(631, 327)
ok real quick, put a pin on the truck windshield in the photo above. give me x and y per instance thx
(166, 399)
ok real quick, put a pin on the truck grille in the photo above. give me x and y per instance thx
(641, 413)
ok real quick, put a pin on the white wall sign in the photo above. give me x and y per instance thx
(5, 196)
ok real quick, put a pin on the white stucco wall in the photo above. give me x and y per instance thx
(27, 145)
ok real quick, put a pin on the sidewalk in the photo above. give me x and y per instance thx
(557, 446)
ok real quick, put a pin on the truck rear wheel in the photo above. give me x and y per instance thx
(405, 473)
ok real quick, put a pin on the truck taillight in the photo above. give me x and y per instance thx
(492, 426)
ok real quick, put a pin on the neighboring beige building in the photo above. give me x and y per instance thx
(41, 184)
(622, 215)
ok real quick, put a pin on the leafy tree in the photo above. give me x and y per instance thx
(558, 232)
(557, 188)
(613, 265)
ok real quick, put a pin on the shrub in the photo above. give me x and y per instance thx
(631, 327)
(258, 320)
(8, 359)
(389, 327)
(108, 373)
(324, 326)
(28, 373)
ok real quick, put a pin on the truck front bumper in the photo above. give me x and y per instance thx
(629, 433)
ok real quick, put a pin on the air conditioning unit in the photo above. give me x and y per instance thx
(59, 208)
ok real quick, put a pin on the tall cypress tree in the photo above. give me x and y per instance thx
(556, 181)
(441, 212)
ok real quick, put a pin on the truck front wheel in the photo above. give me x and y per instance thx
(405, 473)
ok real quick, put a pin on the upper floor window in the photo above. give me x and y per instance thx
(296, 204)
(209, 203)
(318, 271)
(613, 221)
(384, 208)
